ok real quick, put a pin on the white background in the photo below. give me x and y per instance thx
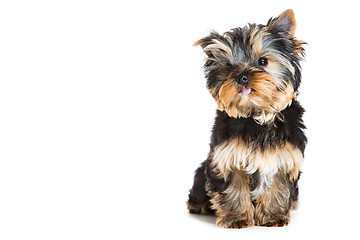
(104, 117)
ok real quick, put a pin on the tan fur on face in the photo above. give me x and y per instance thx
(231, 100)
(236, 154)
(264, 102)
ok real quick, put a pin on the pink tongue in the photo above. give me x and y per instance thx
(246, 91)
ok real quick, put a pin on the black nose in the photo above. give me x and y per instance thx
(243, 79)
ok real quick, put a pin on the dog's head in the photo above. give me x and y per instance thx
(254, 71)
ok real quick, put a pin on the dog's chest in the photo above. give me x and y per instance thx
(236, 154)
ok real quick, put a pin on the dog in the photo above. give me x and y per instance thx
(250, 177)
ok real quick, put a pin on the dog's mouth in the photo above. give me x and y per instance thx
(246, 91)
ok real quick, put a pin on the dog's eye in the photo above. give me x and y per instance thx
(262, 61)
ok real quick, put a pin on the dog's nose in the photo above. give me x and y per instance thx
(244, 79)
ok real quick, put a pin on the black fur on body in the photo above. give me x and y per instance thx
(257, 145)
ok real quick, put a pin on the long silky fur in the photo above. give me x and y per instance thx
(257, 144)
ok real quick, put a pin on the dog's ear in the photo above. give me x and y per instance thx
(206, 41)
(217, 48)
(284, 24)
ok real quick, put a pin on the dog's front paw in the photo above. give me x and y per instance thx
(274, 221)
(277, 223)
(233, 222)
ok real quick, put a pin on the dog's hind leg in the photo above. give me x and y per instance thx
(198, 199)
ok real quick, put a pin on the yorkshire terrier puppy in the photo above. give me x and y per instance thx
(257, 146)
